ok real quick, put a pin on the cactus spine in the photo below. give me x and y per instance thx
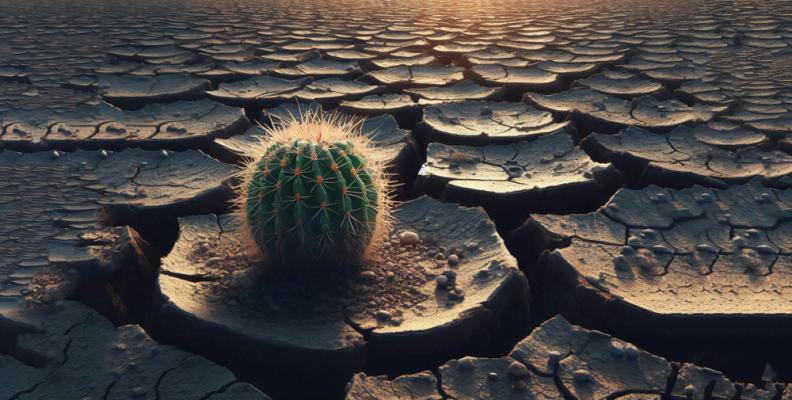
(312, 197)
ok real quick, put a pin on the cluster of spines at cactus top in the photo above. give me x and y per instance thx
(312, 203)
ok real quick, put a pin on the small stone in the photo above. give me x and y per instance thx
(368, 277)
(616, 348)
(658, 198)
(517, 369)
(764, 198)
(383, 315)
(765, 249)
(409, 238)
(56, 154)
(390, 275)
(451, 275)
(582, 376)
(466, 363)
(631, 351)
(690, 390)
(104, 153)
(442, 281)
(453, 259)
(138, 391)
(661, 249)
(472, 246)
(165, 153)
(705, 248)
(627, 250)
(620, 263)
(492, 376)
(704, 198)
(482, 274)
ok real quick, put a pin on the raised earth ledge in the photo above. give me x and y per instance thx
(559, 360)
(455, 291)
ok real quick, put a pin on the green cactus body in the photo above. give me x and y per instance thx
(312, 204)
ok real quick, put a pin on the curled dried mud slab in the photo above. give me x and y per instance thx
(401, 106)
(674, 261)
(129, 91)
(688, 156)
(216, 299)
(481, 123)
(462, 91)
(261, 91)
(69, 351)
(560, 360)
(418, 76)
(516, 81)
(548, 174)
(56, 207)
(176, 126)
(600, 112)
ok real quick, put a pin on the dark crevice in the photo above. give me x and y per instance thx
(218, 391)
(166, 372)
(440, 390)
(26, 391)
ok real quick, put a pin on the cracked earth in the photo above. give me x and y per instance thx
(601, 193)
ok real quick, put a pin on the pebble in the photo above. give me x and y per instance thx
(138, 391)
(631, 351)
(409, 238)
(453, 259)
(581, 375)
(492, 376)
(620, 263)
(704, 198)
(764, 198)
(627, 250)
(383, 315)
(705, 248)
(390, 275)
(368, 276)
(442, 280)
(616, 348)
(690, 390)
(661, 249)
(658, 198)
(472, 246)
(517, 369)
(466, 363)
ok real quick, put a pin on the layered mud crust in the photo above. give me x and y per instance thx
(633, 155)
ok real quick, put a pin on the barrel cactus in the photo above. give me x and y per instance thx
(314, 194)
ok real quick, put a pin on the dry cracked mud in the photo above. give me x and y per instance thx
(633, 155)
(216, 297)
(559, 360)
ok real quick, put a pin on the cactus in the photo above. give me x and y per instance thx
(314, 196)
